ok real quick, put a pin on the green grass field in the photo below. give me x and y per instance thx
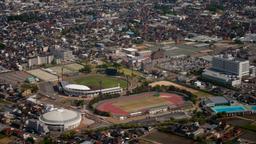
(142, 103)
(129, 72)
(93, 81)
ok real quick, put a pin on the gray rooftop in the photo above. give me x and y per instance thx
(217, 100)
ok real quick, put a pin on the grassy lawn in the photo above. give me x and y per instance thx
(141, 103)
(250, 127)
(129, 72)
(202, 94)
(93, 81)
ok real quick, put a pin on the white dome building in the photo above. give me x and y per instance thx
(61, 119)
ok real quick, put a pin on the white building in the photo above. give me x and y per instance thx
(221, 78)
(230, 65)
(61, 119)
(39, 60)
(130, 51)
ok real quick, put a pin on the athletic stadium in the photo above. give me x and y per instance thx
(140, 104)
(82, 90)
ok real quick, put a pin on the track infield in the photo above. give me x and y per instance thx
(139, 102)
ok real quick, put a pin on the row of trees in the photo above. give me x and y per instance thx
(32, 87)
(86, 69)
(109, 69)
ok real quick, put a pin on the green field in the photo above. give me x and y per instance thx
(129, 72)
(93, 81)
(141, 103)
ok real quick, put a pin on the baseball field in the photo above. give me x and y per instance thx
(139, 102)
(93, 81)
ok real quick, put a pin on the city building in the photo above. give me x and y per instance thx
(249, 38)
(40, 60)
(37, 126)
(63, 54)
(61, 119)
(227, 69)
(231, 65)
(221, 78)
(130, 51)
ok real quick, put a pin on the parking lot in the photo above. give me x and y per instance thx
(14, 78)
(184, 64)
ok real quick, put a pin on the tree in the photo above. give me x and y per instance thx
(47, 140)
(54, 61)
(111, 71)
(30, 140)
(86, 69)
(32, 87)
(2, 46)
(68, 134)
(116, 65)
(214, 7)
(78, 102)
(104, 66)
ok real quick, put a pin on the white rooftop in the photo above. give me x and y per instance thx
(131, 49)
(77, 87)
(59, 116)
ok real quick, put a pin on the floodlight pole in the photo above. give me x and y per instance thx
(100, 87)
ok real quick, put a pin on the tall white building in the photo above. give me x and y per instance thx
(230, 65)
(39, 60)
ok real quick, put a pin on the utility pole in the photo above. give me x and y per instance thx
(62, 69)
(127, 85)
(100, 87)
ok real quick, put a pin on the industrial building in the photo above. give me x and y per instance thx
(61, 119)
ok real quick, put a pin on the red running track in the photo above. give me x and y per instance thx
(108, 106)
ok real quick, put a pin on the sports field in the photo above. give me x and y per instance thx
(67, 69)
(93, 81)
(140, 102)
(168, 83)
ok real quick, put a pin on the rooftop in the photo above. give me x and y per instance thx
(77, 87)
(217, 100)
(59, 116)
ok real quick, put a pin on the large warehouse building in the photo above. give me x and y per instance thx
(61, 119)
